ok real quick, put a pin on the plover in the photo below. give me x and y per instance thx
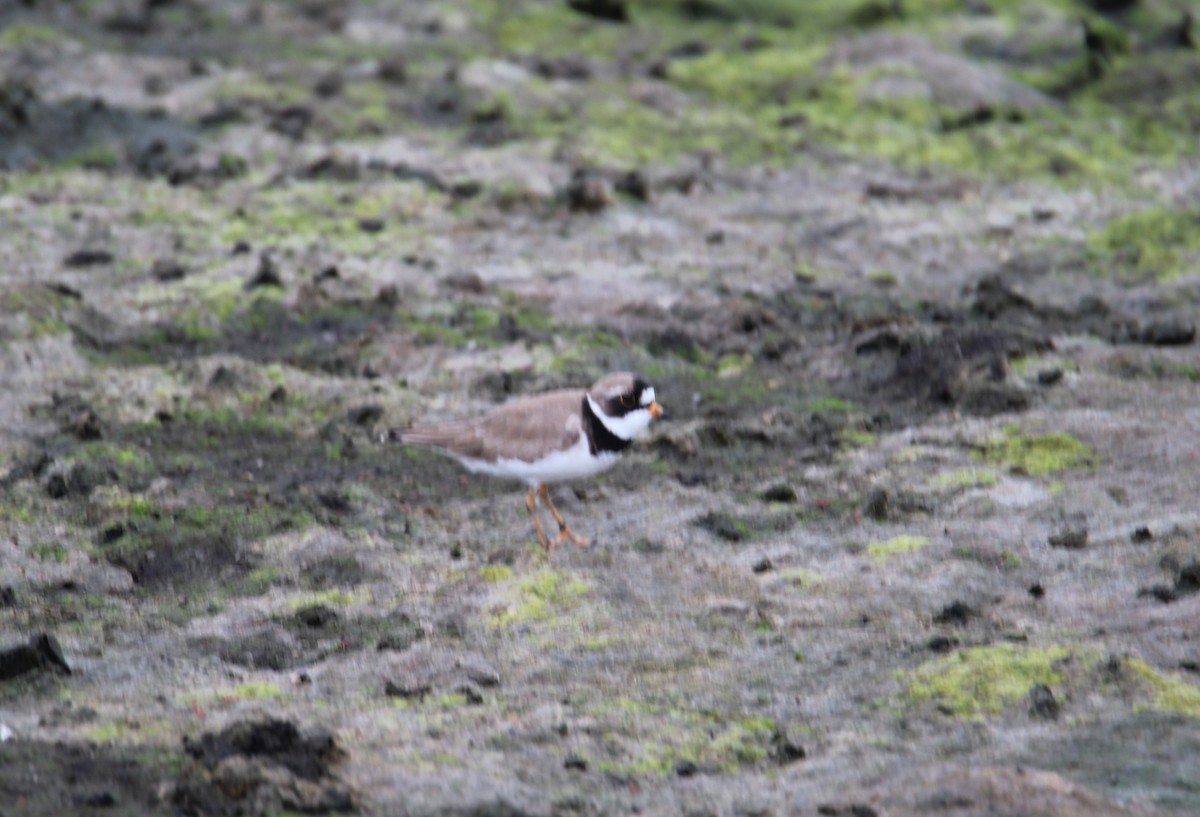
(552, 437)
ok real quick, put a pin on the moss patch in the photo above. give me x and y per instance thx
(1159, 243)
(963, 478)
(881, 552)
(1168, 694)
(981, 681)
(542, 596)
(1037, 455)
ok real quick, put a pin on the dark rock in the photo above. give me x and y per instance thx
(724, 526)
(394, 70)
(316, 616)
(112, 534)
(292, 121)
(941, 643)
(267, 274)
(575, 763)
(371, 225)
(167, 269)
(786, 748)
(468, 282)
(241, 247)
(1188, 581)
(686, 768)
(223, 379)
(366, 415)
(1167, 333)
(781, 492)
(876, 505)
(64, 290)
(407, 690)
(634, 184)
(615, 11)
(8, 597)
(327, 273)
(588, 192)
(264, 767)
(473, 696)
(1037, 591)
(572, 67)
(1072, 538)
(763, 565)
(263, 650)
(994, 297)
(388, 295)
(1141, 536)
(846, 810)
(329, 85)
(1048, 377)
(956, 614)
(88, 258)
(1042, 703)
(1159, 592)
(41, 653)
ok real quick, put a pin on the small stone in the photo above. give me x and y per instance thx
(88, 258)
(786, 748)
(370, 225)
(1037, 591)
(267, 274)
(1188, 581)
(408, 691)
(1167, 333)
(1042, 703)
(1159, 592)
(686, 768)
(613, 11)
(941, 643)
(1069, 538)
(394, 70)
(956, 613)
(876, 505)
(167, 269)
(388, 295)
(1141, 536)
(575, 763)
(588, 192)
(763, 565)
(366, 415)
(1048, 377)
(781, 492)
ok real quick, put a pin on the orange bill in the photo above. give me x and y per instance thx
(656, 410)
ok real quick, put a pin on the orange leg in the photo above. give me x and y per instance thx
(531, 504)
(564, 533)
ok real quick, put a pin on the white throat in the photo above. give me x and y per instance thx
(624, 428)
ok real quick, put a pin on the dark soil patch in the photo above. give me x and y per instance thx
(53, 779)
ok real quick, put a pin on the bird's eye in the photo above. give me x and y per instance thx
(626, 401)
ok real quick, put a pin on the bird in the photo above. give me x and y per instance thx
(554, 436)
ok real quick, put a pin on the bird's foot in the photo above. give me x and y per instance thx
(566, 534)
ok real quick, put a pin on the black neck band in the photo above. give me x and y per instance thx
(600, 439)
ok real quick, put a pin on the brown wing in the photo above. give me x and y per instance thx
(525, 429)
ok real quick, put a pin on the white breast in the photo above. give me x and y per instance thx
(575, 462)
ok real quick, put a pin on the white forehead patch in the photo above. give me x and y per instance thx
(647, 395)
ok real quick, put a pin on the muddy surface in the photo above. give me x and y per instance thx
(916, 283)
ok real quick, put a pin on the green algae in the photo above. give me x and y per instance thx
(882, 552)
(981, 681)
(542, 596)
(961, 479)
(1038, 455)
(1160, 243)
(1168, 693)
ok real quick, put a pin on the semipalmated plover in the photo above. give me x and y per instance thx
(551, 437)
